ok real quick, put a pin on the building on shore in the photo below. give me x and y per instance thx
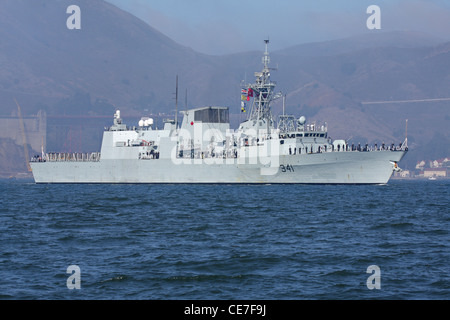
(435, 172)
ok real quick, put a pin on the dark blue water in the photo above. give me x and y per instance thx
(278, 242)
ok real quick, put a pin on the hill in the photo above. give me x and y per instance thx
(117, 60)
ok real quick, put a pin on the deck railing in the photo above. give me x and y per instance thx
(67, 156)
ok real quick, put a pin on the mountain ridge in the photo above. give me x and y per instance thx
(119, 61)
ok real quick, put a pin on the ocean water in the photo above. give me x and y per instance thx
(225, 242)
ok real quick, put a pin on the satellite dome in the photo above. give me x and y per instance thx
(302, 120)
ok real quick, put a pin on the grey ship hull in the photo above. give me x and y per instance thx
(374, 167)
(294, 152)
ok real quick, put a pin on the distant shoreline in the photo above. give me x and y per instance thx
(419, 178)
(21, 176)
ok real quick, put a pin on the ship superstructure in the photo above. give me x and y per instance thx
(204, 149)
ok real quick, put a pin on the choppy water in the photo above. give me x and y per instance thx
(277, 242)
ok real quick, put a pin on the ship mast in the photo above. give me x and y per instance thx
(176, 106)
(262, 91)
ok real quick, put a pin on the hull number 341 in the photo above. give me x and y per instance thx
(286, 168)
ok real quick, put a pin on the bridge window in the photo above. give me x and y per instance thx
(212, 115)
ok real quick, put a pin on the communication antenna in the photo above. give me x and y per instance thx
(406, 134)
(266, 58)
(176, 105)
(185, 101)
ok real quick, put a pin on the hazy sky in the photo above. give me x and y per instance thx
(229, 26)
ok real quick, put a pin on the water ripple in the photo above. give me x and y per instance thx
(225, 241)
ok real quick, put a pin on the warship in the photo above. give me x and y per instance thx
(202, 148)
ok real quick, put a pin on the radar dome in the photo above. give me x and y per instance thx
(302, 120)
